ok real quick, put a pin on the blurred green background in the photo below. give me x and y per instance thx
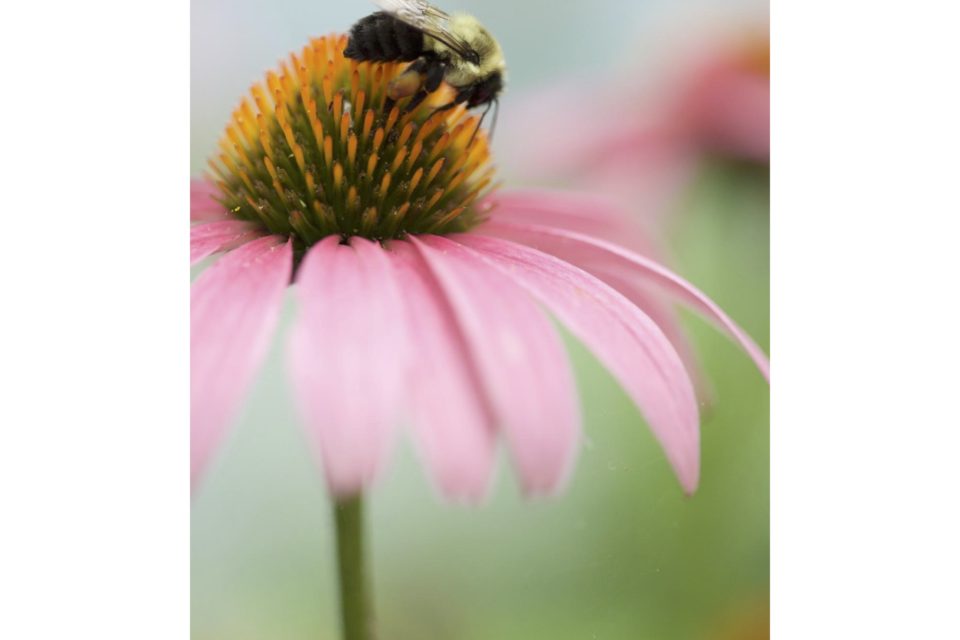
(623, 554)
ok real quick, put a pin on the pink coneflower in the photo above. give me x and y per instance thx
(626, 143)
(723, 98)
(424, 298)
(641, 134)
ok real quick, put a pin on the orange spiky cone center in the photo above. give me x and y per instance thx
(318, 150)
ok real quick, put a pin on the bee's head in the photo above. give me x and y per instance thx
(482, 46)
(486, 91)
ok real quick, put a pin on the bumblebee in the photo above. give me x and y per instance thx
(442, 47)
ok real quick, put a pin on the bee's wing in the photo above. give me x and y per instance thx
(416, 13)
(427, 18)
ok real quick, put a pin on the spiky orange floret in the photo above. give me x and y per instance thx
(318, 150)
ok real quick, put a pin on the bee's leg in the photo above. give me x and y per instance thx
(483, 117)
(415, 101)
(496, 112)
(445, 107)
(409, 83)
(433, 70)
(473, 97)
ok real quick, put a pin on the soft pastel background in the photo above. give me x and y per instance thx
(623, 554)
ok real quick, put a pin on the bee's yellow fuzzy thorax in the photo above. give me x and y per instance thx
(317, 150)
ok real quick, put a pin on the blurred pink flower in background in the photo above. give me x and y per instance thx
(428, 311)
(722, 101)
(591, 136)
(638, 135)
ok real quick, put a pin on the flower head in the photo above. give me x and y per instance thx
(319, 150)
(421, 300)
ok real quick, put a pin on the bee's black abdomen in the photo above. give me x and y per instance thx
(381, 38)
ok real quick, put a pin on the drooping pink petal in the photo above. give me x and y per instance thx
(234, 307)
(625, 340)
(604, 257)
(348, 355)
(583, 212)
(211, 237)
(665, 316)
(520, 358)
(600, 217)
(203, 207)
(452, 420)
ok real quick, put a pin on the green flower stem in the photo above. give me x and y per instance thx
(355, 607)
